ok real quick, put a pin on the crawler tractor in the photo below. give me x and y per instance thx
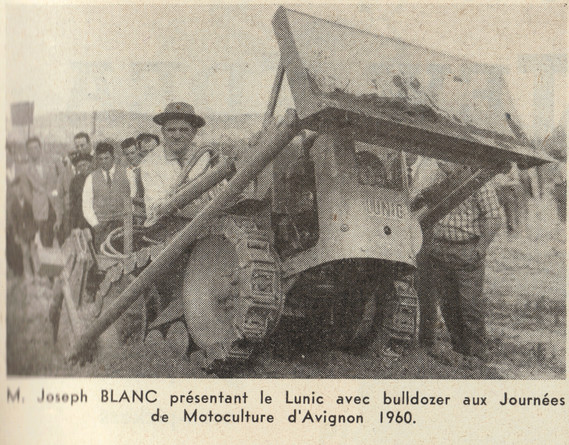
(311, 219)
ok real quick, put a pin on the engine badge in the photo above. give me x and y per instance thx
(386, 209)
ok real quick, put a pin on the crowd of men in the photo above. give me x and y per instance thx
(90, 188)
(96, 188)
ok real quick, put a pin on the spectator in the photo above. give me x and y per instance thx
(63, 198)
(511, 196)
(41, 176)
(147, 142)
(452, 271)
(133, 158)
(105, 194)
(13, 250)
(23, 225)
(82, 143)
(82, 164)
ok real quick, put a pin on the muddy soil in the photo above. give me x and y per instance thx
(525, 287)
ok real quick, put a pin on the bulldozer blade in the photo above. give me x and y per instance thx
(400, 95)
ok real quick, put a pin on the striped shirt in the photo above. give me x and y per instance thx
(463, 223)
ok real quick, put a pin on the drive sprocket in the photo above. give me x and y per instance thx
(232, 290)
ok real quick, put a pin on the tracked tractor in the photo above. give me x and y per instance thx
(313, 220)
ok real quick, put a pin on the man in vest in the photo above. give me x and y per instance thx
(164, 168)
(106, 194)
(82, 163)
(82, 144)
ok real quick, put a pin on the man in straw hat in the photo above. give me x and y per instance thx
(165, 168)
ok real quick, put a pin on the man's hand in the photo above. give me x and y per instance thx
(418, 202)
(488, 228)
(154, 213)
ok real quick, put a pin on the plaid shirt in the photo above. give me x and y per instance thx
(463, 223)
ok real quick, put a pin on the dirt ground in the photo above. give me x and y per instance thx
(525, 287)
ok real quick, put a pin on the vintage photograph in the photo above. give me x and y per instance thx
(300, 191)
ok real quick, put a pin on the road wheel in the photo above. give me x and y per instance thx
(210, 293)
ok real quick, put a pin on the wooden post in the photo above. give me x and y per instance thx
(127, 225)
(465, 184)
(222, 170)
(94, 127)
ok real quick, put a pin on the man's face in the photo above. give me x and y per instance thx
(411, 159)
(83, 167)
(132, 156)
(178, 135)
(147, 145)
(105, 160)
(34, 150)
(82, 145)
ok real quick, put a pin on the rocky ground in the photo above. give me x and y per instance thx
(525, 285)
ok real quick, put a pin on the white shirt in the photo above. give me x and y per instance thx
(88, 210)
(131, 176)
(160, 175)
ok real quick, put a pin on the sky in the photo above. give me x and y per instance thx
(222, 59)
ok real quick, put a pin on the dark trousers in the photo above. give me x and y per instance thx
(14, 254)
(46, 228)
(560, 195)
(452, 274)
(65, 228)
(427, 300)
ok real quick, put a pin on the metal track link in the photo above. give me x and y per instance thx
(256, 281)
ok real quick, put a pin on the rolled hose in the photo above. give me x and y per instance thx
(108, 249)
